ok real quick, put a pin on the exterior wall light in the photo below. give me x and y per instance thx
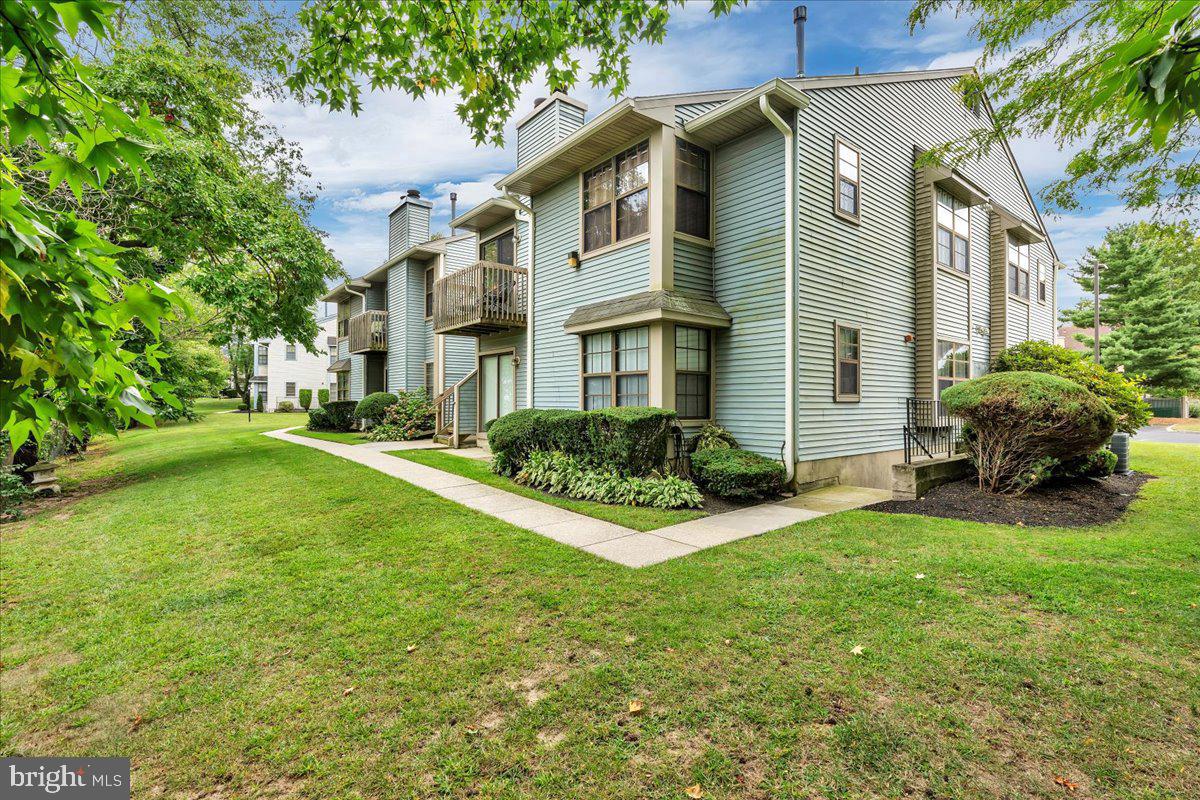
(573, 259)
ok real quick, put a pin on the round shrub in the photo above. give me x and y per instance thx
(284, 407)
(712, 437)
(409, 417)
(1024, 424)
(374, 405)
(319, 420)
(337, 415)
(1123, 395)
(737, 474)
(305, 398)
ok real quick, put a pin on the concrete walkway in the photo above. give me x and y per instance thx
(604, 539)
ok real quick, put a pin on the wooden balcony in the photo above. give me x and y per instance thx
(368, 332)
(484, 298)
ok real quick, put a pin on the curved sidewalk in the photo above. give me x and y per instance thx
(604, 539)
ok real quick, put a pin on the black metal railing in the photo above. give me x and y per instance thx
(930, 431)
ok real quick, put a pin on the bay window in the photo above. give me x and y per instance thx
(691, 189)
(616, 368)
(1018, 269)
(953, 363)
(953, 232)
(692, 362)
(616, 198)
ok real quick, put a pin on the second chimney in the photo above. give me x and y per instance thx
(799, 16)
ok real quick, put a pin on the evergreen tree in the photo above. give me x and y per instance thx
(1160, 339)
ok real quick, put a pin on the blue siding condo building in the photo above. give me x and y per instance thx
(770, 259)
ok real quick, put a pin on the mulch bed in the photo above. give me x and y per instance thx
(1065, 504)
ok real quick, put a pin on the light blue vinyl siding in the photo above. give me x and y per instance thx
(693, 268)
(748, 277)
(980, 299)
(398, 289)
(407, 226)
(554, 122)
(420, 332)
(560, 289)
(460, 350)
(952, 299)
(467, 409)
(689, 111)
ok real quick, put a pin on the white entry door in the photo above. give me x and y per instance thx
(497, 386)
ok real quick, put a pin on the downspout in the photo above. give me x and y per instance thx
(529, 298)
(789, 269)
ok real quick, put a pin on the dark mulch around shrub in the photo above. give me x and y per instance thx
(1066, 504)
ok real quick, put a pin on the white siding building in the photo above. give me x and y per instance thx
(281, 370)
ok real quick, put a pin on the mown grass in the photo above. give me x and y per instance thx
(640, 519)
(347, 437)
(235, 614)
(1193, 427)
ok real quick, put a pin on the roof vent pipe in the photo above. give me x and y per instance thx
(453, 209)
(799, 16)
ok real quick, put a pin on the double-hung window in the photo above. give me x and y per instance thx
(499, 249)
(289, 389)
(616, 368)
(953, 363)
(1018, 269)
(430, 275)
(849, 363)
(262, 355)
(343, 385)
(692, 354)
(953, 232)
(616, 198)
(848, 183)
(290, 354)
(691, 189)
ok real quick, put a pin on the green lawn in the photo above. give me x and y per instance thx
(640, 519)
(235, 614)
(333, 436)
(1188, 426)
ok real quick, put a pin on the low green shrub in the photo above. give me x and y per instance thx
(258, 403)
(13, 491)
(322, 396)
(712, 437)
(1024, 424)
(628, 441)
(558, 472)
(1123, 394)
(374, 405)
(738, 474)
(1099, 464)
(284, 407)
(243, 407)
(336, 415)
(306, 398)
(409, 417)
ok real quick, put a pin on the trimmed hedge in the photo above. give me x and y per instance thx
(374, 405)
(627, 441)
(305, 398)
(1024, 424)
(737, 474)
(337, 415)
(322, 396)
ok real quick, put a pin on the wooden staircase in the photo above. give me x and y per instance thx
(445, 426)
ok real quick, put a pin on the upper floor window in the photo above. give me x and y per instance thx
(616, 198)
(1018, 269)
(691, 372)
(953, 232)
(1043, 293)
(848, 184)
(429, 281)
(499, 249)
(616, 368)
(262, 354)
(953, 363)
(290, 354)
(848, 347)
(691, 189)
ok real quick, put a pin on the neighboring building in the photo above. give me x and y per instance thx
(1067, 333)
(281, 369)
(667, 251)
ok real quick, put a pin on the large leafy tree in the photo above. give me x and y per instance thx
(1150, 296)
(1117, 81)
(66, 306)
(484, 50)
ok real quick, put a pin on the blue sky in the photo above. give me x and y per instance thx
(365, 163)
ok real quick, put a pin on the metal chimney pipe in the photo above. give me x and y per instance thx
(453, 208)
(799, 17)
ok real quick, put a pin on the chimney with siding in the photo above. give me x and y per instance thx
(408, 224)
(552, 119)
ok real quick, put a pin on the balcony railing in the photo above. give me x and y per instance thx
(484, 298)
(368, 332)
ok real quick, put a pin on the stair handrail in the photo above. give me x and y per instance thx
(451, 392)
